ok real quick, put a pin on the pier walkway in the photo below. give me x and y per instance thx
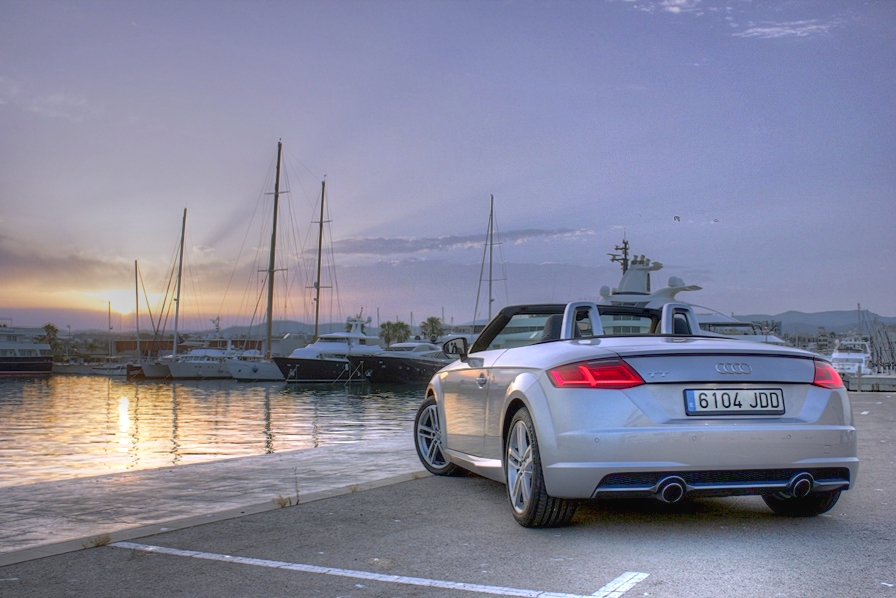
(49, 518)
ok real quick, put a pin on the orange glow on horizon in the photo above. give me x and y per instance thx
(123, 301)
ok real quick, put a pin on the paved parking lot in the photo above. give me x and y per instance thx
(455, 537)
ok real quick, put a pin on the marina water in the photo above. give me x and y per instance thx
(73, 426)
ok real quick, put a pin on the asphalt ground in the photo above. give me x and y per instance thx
(453, 537)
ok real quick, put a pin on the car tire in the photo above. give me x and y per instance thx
(428, 440)
(806, 506)
(529, 501)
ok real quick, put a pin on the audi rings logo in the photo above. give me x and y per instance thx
(734, 368)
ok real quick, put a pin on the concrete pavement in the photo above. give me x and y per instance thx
(49, 518)
(411, 535)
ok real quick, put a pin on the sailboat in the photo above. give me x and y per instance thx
(251, 366)
(487, 256)
(111, 365)
(324, 360)
(159, 369)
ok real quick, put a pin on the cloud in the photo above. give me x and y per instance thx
(679, 6)
(669, 6)
(62, 105)
(789, 29)
(75, 271)
(734, 11)
(410, 246)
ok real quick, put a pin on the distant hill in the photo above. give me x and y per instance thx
(279, 329)
(792, 322)
(797, 322)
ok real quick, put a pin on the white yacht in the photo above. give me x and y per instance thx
(111, 366)
(202, 363)
(635, 289)
(852, 357)
(157, 369)
(251, 366)
(24, 351)
(325, 360)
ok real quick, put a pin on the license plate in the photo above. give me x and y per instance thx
(734, 401)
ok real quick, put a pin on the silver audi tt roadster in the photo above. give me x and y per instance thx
(585, 401)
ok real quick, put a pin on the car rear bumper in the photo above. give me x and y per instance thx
(718, 462)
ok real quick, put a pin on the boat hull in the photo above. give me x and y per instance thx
(255, 371)
(155, 371)
(314, 369)
(186, 370)
(77, 369)
(111, 370)
(38, 365)
(396, 370)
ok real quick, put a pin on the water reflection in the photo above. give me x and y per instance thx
(70, 426)
(175, 442)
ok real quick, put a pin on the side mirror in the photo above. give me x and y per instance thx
(457, 347)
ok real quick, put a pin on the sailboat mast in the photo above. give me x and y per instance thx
(320, 246)
(137, 310)
(180, 270)
(487, 253)
(273, 248)
(491, 245)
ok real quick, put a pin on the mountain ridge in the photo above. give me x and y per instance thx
(840, 322)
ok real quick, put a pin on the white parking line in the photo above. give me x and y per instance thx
(621, 585)
(614, 589)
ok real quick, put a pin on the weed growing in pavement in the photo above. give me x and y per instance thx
(100, 540)
(283, 501)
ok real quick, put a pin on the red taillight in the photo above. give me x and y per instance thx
(826, 376)
(607, 373)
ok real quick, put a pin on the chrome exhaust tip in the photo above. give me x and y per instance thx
(801, 485)
(671, 490)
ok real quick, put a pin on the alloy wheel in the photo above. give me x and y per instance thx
(429, 437)
(519, 467)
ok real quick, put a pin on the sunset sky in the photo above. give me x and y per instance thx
(748, 145)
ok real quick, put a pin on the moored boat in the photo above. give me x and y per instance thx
(401, 363)
(852, 357)
(635, 289)
(24, 351)
(156, 369)
(325, 360)
(110, 366)
(202, 364)
(252, 366)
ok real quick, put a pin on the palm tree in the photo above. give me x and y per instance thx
(394, 332)
(387, 332)
(52, 332)
(432, 327)
(92, 347)
(402, 332)
(56, 347)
